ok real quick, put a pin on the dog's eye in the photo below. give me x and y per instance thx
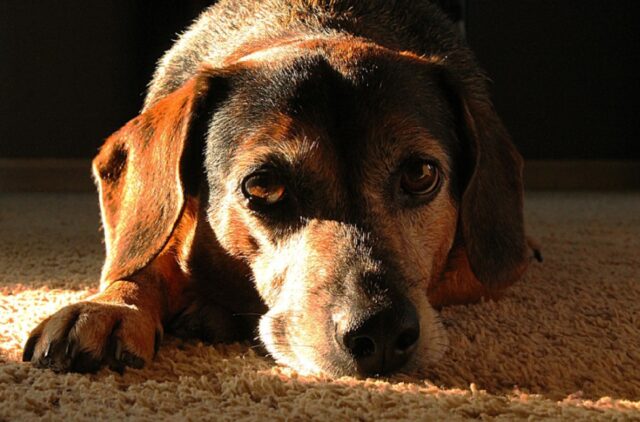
(419, 177)
(263, 187)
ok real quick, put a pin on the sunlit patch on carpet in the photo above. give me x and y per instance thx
(564, 343)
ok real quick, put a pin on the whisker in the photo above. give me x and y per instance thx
(257, 314)
(266, 315)
(284, 344)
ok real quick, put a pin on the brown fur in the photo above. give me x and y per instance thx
(186, 253)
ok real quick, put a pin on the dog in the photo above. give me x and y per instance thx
(326, 173)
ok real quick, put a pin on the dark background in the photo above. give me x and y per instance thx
(565, 73)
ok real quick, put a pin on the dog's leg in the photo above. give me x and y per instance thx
(220, 303)
(148, 175)
(123, 324)
(119, 327)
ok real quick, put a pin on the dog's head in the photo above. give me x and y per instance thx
(343, 174)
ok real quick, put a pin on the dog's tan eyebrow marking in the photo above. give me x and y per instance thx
(299, 145)
(302, 152)
(400, 134)
(300, 149)
(263, 141)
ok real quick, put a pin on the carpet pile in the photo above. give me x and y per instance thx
(563, 344)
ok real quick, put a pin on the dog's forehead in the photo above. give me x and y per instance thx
(343, 93)
(350, 70)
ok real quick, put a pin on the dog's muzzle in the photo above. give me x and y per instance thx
(381, 342)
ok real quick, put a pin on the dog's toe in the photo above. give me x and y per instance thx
(87, 336)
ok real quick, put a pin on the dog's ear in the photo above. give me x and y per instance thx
(146, 169)
(491, 211)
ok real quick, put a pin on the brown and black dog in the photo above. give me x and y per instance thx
(323, 172)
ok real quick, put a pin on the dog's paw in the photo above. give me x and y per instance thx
(86, 336)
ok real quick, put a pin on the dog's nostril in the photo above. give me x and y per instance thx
(406, 340)
(361, 347)
(383, 342)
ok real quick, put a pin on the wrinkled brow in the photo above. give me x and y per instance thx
(400, 137)
(302, 152)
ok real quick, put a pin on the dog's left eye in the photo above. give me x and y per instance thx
(420, 177)
(263, 188)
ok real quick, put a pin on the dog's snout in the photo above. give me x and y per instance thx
(383, 342)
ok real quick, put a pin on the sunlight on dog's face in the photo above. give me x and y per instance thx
(340, 196)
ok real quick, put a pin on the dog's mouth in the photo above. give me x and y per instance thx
(396, 338)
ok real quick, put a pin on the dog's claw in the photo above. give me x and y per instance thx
(29, 348)
(157, 340)
(119, 358)
(535, 248)
(54, 357)
(71, 349)
(131, 360)
(537, 255)
(47, 351)
(62, 346)
(118, 350)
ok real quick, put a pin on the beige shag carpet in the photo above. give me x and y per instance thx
(563, 344)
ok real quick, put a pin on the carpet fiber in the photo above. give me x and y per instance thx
(564, 343)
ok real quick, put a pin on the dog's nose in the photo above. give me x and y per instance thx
(384, 342)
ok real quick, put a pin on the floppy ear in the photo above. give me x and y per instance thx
(491, 212)
(143, 173)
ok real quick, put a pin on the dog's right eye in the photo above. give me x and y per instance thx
(263, 188)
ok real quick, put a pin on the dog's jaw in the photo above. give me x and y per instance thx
(283, 353)
(434, 340)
